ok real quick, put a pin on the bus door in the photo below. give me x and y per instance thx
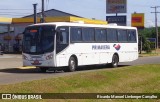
(62, 41)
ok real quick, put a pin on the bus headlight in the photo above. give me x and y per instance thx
(49, 57)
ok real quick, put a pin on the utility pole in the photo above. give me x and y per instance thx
(42, 16)
(35, 13)
(156, 25)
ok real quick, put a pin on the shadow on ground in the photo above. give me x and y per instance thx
(52, 70)
(17, 70)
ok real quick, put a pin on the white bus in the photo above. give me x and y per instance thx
(60, 44)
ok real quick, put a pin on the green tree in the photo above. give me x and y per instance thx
(147, 33)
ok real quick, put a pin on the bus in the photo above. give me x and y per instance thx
(69, 45)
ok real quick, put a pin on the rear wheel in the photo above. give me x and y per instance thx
(115, 61)
(43, 69)
(72, 64)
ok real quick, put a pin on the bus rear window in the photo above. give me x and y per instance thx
(132, 36)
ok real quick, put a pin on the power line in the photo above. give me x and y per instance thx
(15, 12)
(17, 9)
(11, 15)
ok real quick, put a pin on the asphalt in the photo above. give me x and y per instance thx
(11, 70)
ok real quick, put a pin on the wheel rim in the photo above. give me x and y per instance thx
(73, 64)
(115, 61)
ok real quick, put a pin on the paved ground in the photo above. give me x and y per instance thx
(11, 73)
(10, 61)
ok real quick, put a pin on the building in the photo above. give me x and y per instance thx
(16, 26)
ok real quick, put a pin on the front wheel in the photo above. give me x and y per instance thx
(115, 61)
(72, 64)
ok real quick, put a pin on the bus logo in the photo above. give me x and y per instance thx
(117, 46)
(36, 62)
(100, 47)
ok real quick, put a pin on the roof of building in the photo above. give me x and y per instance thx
(4, 20)
(58, 19)
(51, 11)
(63, 17)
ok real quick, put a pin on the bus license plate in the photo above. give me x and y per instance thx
(36, 62)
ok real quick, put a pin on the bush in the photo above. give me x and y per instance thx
(153, 46)
(147, 46)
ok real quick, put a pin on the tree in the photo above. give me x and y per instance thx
(147, 33)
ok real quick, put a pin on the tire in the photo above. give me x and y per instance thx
(43, 69)
(72, 65)
(115, 61)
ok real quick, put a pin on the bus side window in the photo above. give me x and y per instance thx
(112, 35)
(88, 34)
(122, 35)
(100, 35)
(62, 36)
(76, 34)
(132, 36)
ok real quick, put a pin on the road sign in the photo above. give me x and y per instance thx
(138, 20)
(119, 20)
(116, 6)
(152, 39)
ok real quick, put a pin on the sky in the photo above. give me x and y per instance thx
(85, 8)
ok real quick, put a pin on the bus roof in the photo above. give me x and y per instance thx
(83, 25)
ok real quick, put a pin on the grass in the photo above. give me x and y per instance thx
(132, 79)
(153, 53)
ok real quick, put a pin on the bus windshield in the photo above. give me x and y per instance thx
(38, 39)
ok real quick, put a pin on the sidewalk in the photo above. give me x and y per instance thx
(10, 61)
(11, 56)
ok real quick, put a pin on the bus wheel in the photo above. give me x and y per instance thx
(115, 61)
(72, 64)
(43, 69)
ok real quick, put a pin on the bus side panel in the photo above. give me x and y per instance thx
(61, 60)
(105, 57)
(87, 55)
(90, 58)
(128, 52)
